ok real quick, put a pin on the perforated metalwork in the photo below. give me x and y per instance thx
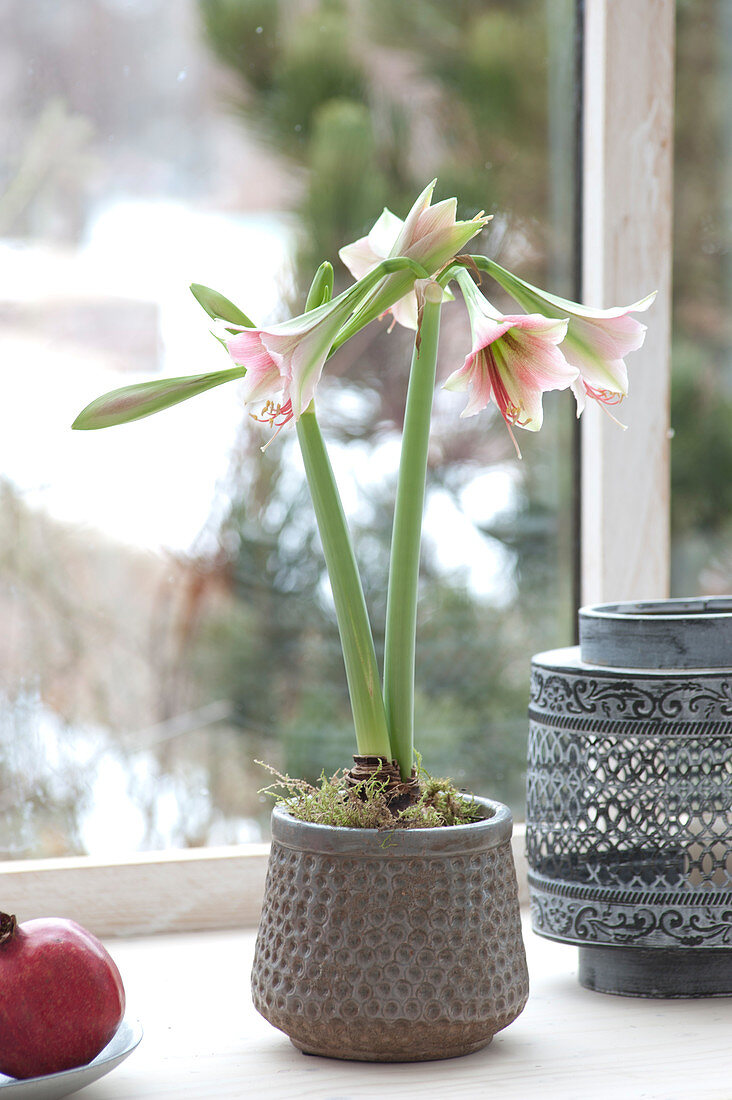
(629, 815)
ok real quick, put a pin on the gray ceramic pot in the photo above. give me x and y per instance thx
(393, 946)
(629, 808)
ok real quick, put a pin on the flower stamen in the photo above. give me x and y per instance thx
(270, 411)
(605, 397)
(509, 410)
(276, 415)
(513, 440)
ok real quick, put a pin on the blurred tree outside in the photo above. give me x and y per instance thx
(701, 395)
(108, 741)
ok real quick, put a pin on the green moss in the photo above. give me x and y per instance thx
(440, 803)
(364, 806)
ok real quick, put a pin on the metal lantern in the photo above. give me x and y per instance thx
(629, 816)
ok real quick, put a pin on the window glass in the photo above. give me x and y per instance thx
(701, 405)
(167, 618)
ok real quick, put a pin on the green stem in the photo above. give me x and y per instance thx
(379, 289)
(362, 674)
(513, 286)
(401, 606)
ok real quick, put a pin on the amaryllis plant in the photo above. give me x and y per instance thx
(403, 269)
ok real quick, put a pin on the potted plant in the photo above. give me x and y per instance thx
(390, 928)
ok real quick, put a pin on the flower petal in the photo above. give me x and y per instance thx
(263, 378)
(530, 367)
(437, 218)
(514, 360)
(384, 233)
(305, 360)
(474, 377)
(405, 311)
(408, 232)
(429, 235)
(359, 257)
(608, 376)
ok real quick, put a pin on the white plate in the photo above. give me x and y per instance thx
(52, 1086)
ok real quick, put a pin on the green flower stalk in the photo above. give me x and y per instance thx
(401, 607)
(359, 656)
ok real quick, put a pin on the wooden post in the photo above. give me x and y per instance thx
(627, 196)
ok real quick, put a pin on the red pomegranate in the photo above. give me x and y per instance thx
(62, 996)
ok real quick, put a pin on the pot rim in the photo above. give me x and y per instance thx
(569, 660)
(445, 840)
(693, 633)
(695, 608)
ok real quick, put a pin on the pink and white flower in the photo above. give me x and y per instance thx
(597, 340)
(597, 346)
(512, 362)
(430, 235)
(285, 361)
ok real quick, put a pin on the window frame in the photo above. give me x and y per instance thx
(627, 192)
(627, 141)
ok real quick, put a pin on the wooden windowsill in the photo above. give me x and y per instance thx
(175, 891)
(203, 1038)
(195, 890)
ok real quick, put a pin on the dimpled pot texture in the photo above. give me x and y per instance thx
(398, 946)
(62, 996)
